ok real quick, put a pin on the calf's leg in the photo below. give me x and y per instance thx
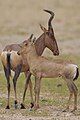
(28, 81)
(73, 91)
(37, 91)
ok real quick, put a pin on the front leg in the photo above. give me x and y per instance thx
(31, 93)
(28, 81)
(37, 91)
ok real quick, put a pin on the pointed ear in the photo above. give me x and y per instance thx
(43, 28)
(34, 40)
(30, 37)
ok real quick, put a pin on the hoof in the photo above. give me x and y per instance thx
(36, 107)
(22, 106)
(31, 109)
(15, 104)
(32, 105)
(74, 110)
(66, 110)
(7, 107)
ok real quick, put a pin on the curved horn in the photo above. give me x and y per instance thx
(50, 19)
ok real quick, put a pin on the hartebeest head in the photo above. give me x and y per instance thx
(47, 39)
(50, 40)
(26, 46)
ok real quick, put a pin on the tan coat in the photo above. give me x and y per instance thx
(47, 68)
(42, 67)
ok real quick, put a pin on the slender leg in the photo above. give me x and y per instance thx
(75, 101)
(8, 86)
(31, 93)
(28, 81)
(37, 91)
(17, 73)
(73, 90)
(28, 75)
(67, 108)
(75, 98)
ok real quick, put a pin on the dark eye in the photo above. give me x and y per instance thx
(26, 44)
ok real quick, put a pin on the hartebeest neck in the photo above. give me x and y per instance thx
(40, 44)
(31, 56)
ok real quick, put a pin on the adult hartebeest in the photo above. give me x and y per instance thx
(41, 67)
(12, 61)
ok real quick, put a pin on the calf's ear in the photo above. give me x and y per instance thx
(34, 40)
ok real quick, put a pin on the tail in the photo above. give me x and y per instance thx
(77, 74)
(8, 64)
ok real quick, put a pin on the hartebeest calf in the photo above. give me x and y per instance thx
(12, 61)
(41, 67)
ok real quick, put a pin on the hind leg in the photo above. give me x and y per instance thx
(8, 86)
(73, 91)
(75, 98)
(17, 73)
(68, 104)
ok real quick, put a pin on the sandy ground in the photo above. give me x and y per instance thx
(54, 114)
